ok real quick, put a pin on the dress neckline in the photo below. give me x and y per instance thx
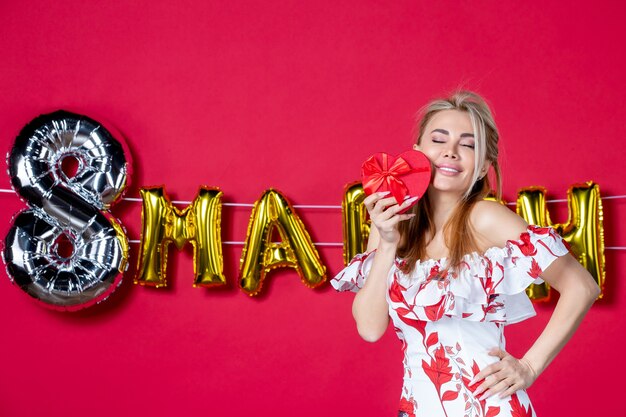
(470, 255)
(475, 254)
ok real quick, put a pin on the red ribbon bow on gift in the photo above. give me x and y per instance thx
(377, 174)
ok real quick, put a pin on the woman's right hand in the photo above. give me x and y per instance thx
(384, 215)
(370, 308)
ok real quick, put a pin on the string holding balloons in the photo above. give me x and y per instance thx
(584, 229)
(199, 224)
(73, 209)
(296, 250)
(67, 251)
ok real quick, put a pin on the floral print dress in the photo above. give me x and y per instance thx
(448, 322)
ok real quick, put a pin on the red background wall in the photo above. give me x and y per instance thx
(247, 95)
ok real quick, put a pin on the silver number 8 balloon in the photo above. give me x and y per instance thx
(67, 251)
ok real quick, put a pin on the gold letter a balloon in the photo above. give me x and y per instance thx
(260, 254)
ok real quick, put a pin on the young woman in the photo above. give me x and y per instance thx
(452, 272)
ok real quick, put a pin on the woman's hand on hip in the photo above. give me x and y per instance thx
(505, 376)
(384, 215)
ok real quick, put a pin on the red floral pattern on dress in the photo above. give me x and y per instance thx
(407, 407)
(535, 270)
(395, 292)
(483, 285)
(448, 321)
(518, 410)
(439, 369)
(524, 244)
(435, 311)
(447, 367)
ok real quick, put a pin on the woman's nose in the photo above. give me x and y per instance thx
(450, 152)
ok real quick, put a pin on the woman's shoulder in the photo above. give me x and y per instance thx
(494, 224)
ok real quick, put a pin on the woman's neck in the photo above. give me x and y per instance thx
(442, 205)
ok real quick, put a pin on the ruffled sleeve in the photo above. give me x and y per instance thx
(489, 287)
(352, 277)
(520, 264)
(525, 259)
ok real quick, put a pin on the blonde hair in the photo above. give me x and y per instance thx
(458, 233)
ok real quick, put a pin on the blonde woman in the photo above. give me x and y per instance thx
(451, 273)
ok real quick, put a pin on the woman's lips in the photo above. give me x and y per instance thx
(448, 170)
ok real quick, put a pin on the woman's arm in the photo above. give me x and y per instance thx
(370, 309)
(577, 291)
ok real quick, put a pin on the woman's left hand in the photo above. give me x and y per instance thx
(505, 377)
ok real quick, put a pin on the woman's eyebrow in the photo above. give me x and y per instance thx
(445, 132)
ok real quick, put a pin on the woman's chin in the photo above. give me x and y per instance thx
(446, 187)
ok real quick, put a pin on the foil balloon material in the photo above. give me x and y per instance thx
(67, 251)
(199, 224)
(296, 250)
(355, 222)
(531, 205)
(583, 231)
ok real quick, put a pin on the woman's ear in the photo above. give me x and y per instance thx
(416, 147)
(485, 170)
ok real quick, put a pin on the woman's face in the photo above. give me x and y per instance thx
(448, 142)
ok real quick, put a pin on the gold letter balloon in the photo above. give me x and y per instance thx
(296, 250)
(583, 231)
(199, 223)
(67, 251)
(356, 226)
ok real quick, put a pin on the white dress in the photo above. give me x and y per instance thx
(448, 322)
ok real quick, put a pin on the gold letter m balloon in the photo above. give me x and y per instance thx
(260, 254)
(198, 223)
(583, 230)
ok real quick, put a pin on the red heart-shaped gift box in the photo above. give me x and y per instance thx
(407, 174)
